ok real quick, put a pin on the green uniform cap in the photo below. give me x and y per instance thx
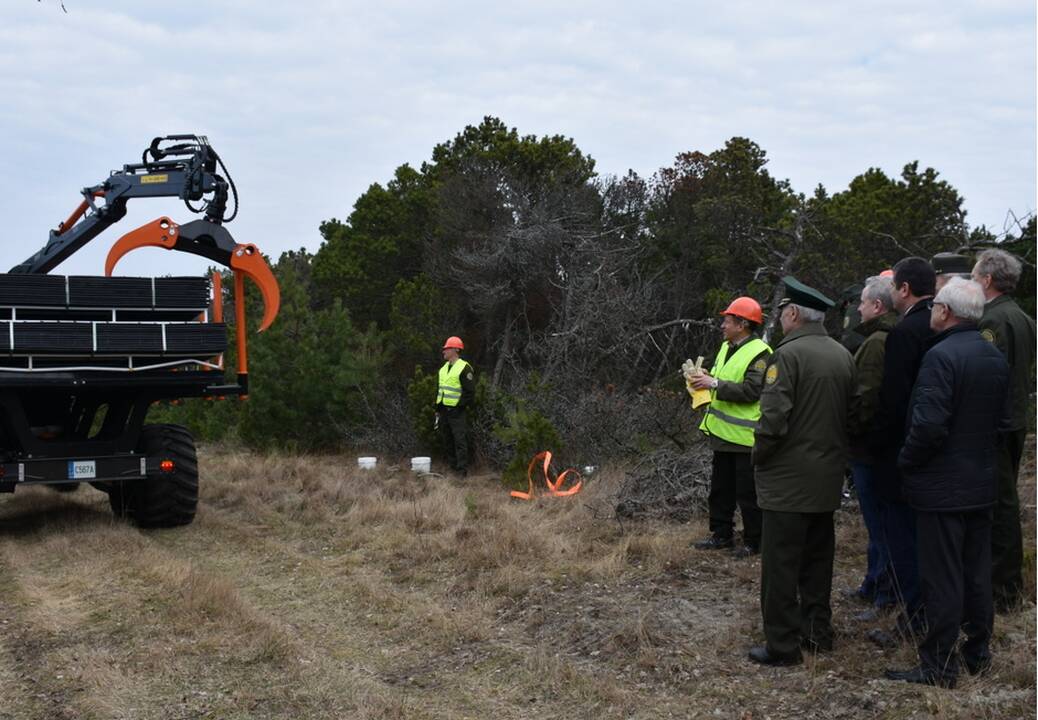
(947, 263)
(800, 294)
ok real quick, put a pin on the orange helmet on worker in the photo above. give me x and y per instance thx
(746, 308)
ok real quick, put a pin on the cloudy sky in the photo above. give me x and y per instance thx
(310, 102)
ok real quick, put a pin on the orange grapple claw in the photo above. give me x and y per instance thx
(248, 260)
(162, 232)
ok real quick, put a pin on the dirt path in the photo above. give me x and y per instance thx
(304, 590)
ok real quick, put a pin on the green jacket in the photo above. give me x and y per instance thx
(868, 361)
(801, 443)
(1011, 330)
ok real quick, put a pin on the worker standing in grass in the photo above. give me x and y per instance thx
(799, 456)
(1011, 330)
(455, 393)
(736, 380)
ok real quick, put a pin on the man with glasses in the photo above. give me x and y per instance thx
(948, 467)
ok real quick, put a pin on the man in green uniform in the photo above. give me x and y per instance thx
(1012, 331)
(799, 455)
(454, 394)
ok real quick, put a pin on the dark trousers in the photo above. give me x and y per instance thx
(732, 482)
(454, 433)
(899, 528)
(954, 568)
(876, 586)
(796, 579)
(1007, 548)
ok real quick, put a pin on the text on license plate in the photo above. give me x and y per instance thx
(82, 469)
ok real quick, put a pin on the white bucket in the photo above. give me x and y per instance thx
(421, 464)
(366, 463)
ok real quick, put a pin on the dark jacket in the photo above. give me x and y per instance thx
(800, 446)
(1011, 330)
(869, 362)
(905, 347)
(958, 405)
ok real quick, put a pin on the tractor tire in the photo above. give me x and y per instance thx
(163, 499)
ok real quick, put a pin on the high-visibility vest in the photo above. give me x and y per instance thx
(450, 383)
(734, 422)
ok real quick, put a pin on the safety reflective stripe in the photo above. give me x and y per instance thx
(449, 389)
(731, 419)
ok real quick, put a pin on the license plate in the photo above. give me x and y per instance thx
(82, 469)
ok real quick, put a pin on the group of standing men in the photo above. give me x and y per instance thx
(931, 412)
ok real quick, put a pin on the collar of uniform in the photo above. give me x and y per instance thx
(735, 346)
(1003, 298)
(804, 330)
(944, 334)
(886, 321)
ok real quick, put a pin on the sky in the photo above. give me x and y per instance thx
(308, 103)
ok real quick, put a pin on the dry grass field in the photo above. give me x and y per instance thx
(306, 589)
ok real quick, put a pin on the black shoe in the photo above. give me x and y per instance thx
(921, 677)
(714, 542)
(816, 646)
(977, 667)
(760, 654)
(884, 639)
(745, 551)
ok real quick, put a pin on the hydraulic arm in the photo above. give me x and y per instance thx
(183, 166)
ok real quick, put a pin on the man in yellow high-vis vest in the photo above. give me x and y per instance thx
(736, 380)
(455, 392)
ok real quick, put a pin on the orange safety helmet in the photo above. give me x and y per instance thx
(454, 342)
(747, 308)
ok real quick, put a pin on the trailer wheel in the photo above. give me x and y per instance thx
(164, 499)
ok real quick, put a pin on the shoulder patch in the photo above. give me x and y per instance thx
(772, 375)
(760, 364)
(469, 376)
(988, 334)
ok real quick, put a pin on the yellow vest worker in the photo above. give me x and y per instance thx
(454, 393)
(735, 381)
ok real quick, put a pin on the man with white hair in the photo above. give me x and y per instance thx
(947, 467)
(876, 309)
(799, 455)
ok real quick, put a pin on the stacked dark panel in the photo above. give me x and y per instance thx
(86, 320)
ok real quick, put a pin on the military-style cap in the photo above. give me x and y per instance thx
(800, 294)
(947, 263)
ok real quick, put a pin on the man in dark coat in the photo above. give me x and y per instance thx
(948, 467)
(799, 455)
(1011, 330)
(914, 281)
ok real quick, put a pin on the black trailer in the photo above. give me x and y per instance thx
(83, 358)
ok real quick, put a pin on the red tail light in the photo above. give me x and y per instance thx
(167, 466)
